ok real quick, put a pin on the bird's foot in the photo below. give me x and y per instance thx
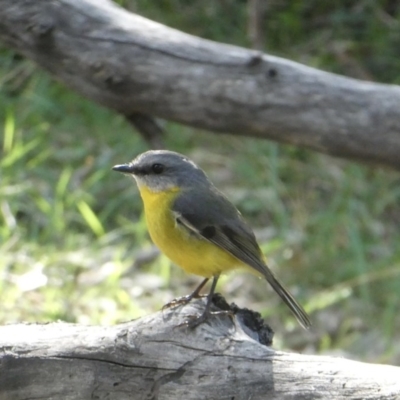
(179, 301)
(193, 321)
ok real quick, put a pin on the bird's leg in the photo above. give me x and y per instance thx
(196, 321)
(186, 299)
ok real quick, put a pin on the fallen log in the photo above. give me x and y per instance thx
(158, 357)
(143, 69)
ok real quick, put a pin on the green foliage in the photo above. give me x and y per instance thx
(73, 240)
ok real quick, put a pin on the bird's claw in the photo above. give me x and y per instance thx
(193, 321)
(181, 301)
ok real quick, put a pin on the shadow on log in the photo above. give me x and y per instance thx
(156, 357)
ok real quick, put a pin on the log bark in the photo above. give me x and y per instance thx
(158, 358)
(134, 65)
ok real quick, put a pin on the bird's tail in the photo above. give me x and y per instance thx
(289, 300)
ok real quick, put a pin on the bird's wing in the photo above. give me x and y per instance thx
(209, 214)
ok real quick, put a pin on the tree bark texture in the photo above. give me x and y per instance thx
(134, 65)
(158, 358)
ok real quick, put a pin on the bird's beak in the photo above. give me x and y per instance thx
(125, 168)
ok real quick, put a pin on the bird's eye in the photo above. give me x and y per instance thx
(157, 168)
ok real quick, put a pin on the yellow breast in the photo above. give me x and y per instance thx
(195, 255)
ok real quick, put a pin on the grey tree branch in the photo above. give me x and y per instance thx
(150, 130)
(155, 358)
(134, 65)
(256, 10)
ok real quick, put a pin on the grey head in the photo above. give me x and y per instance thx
(161, 170)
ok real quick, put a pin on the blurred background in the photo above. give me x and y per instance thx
(73, 240)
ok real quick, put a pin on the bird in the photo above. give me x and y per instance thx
(197, 227)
